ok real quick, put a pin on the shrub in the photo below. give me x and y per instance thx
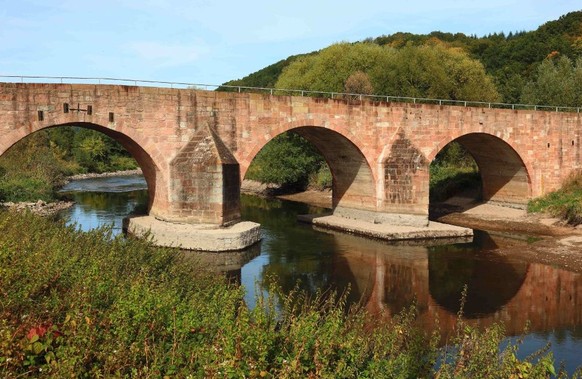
(76, 304)
(565, 203)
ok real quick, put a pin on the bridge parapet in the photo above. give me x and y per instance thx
(195, 146)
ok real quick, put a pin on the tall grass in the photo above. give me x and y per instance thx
(565, 203)
(89, 305)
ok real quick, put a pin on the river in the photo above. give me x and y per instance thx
(385, 277)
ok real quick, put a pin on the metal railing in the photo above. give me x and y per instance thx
(280, 92)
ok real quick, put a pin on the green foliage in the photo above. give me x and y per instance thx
(453, 171)
(557, 81)
(358, 83)
(95, 152)
(565, 203)
(476, 354)
(30, 171)
(100, 306)
(321, 179)
(510, 60)
(329, 69)
(288, 160)
(36, 167)
(434, 71)
(266, 77)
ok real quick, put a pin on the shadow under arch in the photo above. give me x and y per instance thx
(143, 159)
(504, 175)
(353, 181)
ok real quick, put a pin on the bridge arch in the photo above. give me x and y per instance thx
(353, 183)
(505, 176)
(143, 158)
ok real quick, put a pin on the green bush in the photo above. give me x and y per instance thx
(288, 160)
(321, 179)
(82, 305)
(565, 203)
(25, 189)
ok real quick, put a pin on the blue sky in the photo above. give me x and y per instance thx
(210, 42)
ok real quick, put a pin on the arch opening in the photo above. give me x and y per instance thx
(479, 167)
(66, 149)
(352, 181)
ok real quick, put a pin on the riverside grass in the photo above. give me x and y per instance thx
(89, 305)
(565, 203)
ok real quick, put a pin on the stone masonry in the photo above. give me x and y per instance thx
(194, 146)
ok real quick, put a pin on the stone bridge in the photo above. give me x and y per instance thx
(195, 146)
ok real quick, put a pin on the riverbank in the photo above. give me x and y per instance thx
(104, 174)
(43, 208)
(39, 207)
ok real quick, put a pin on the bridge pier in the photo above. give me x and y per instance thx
(204, 208)
(201, 237)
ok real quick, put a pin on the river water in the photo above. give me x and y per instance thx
(385, 277)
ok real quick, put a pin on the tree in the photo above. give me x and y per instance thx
(432, 70)
(557, 82)
(358, 83)
(329, 69)
(287, 160)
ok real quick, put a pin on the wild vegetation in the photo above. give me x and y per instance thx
(36, 167)
(565, 203)
(100, 306)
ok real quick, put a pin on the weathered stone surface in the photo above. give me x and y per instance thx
(206, 237)
(434, 230)
(194, 147)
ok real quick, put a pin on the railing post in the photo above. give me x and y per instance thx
(71, 79)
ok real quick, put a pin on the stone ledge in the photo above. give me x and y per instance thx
(387, 232)
(373, 217)
(194, 236)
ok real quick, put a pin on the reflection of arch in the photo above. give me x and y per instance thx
(143, 159)
(504, 174)
(491, 283)
(353, 180)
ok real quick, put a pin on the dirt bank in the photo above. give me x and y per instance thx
(39, 207)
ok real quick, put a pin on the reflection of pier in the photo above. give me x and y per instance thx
(499, 290)
(228, 263)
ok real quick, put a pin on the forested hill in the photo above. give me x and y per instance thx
(512, 60)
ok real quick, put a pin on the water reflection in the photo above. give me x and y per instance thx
(96, 209)
(491, 280)
(105, 201)
(386, 278)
